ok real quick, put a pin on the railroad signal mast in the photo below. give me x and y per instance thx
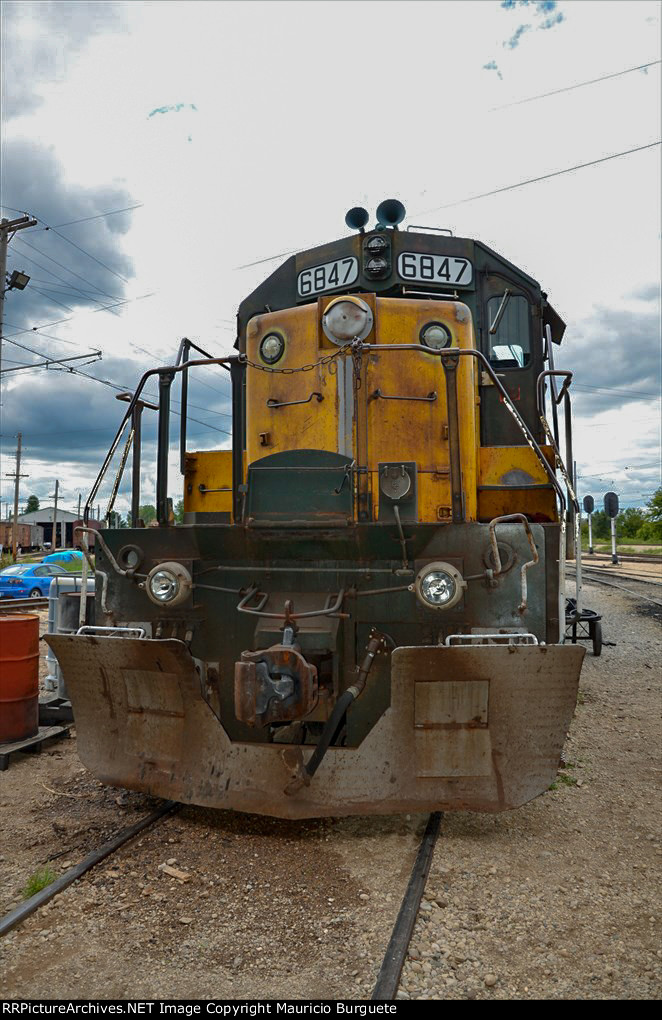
(589, 507)
(611, 510)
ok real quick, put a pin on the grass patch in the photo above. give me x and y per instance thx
(38, 881)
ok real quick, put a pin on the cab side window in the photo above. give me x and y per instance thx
(510, 344)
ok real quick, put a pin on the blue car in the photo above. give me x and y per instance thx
(29, 580)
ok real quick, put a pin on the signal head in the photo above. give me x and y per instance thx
(390, 213)
(357, 218)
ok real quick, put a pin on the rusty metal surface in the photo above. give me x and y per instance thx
(143, 723)
(274, 685)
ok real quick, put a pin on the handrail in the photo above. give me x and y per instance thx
(290, 403)
(166, 375)
(378, 395)
(170, 370)
(449, 353)
(563, 393)
(328, 611)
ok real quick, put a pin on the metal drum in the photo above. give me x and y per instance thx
(19, 677)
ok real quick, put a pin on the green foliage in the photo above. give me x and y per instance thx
(629, 522)
(654, 506)
(147, 513)
(32, 504)
(38, 881)
(179, 511)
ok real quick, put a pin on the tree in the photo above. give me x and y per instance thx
(31, 505)
(147, 513)
(179, 511)
(654, 506)
(630, 521)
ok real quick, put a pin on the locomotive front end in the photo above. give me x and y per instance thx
(362, 611)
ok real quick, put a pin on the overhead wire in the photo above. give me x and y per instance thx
(577, 85)
(613, 389)
(487, 194)
(542, 177)
(98, 216)
(99, 290)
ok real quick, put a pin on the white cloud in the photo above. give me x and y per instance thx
(303, 110)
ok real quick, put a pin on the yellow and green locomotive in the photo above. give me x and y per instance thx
(363, 611)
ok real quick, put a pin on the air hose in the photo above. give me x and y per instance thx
(305, 772)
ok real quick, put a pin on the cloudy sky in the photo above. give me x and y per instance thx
(164, 145)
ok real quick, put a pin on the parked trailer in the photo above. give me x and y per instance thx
(30, 537)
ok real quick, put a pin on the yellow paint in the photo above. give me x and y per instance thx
(506, 465)
(213, 470)
(375, 430)
(309, 426)
(416, 430)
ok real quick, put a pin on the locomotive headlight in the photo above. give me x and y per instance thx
(439, 586)
(347, 319)
(168, 584)
(435, 335)
(271, 348)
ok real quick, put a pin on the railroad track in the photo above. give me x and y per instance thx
(635, 594)
(22, 605)
(388, 979)
(629, 575)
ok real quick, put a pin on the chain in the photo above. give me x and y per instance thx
(304, 368)
(357, 350)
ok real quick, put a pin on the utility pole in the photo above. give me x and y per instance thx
(17, 481)
(57, 486)
(79, 499)
(8, 227)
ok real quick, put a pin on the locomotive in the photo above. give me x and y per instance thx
(363, 609)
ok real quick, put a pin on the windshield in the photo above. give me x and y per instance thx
(14, 570)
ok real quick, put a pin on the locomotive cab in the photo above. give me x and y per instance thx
(362, 610)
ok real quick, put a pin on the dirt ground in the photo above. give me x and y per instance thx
(559, 899)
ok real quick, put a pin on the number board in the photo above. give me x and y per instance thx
(435, 269)
(341, 273)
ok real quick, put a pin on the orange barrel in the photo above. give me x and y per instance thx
(19, 677)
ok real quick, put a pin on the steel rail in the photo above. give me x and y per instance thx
(629, 576)
(22, 605)
(635, 594)
(20, 913)
(388, 978)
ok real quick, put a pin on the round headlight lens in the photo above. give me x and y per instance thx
(435, 335)
(169, 584)
(347, 319)
(271, 348)
(164, 585)
(438, 588)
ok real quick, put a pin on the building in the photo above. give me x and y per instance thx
(44, 518)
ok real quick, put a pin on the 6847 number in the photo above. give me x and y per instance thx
(341, 273)
(434, 268)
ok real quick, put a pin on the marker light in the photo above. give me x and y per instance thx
(376, 245)
(347, 319)
(376, 266)
(272, 348)
(435, 335)
(439, 586)
(168, 584)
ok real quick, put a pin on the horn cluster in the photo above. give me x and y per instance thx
(389, 213)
